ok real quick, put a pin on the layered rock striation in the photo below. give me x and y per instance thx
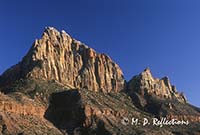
(26, 107)
(22, 115)
(57, 56)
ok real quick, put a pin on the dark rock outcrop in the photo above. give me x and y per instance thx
(66, 111)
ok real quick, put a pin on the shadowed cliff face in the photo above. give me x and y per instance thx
(66, 111)
(57, 56)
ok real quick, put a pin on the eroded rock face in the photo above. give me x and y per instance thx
(19, 113)
(27, 107)
(74, 69)
(151, 94)
(145, 84)
(159, 97)
(57, 56)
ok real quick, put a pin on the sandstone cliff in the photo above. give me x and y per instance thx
(57, 56)
(146, 84)
(63, 82)
(20, 115)
(157, 96)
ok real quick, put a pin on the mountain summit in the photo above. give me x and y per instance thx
(57, 56)
(145, 85)
(64, 87)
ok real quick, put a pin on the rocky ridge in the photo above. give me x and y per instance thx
(79, 91)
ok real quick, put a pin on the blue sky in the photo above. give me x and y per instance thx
(162, 35)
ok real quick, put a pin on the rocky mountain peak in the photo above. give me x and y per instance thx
(147, 69)
(146, 74)
(55, 90)
(57, 56)
(146, 84)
